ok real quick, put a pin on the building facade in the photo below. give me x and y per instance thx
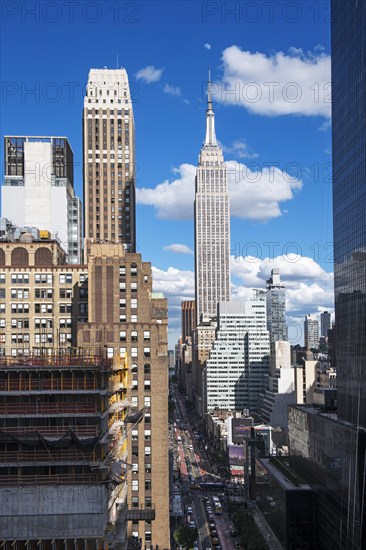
(38, 189)
(188, 318)
(212, 224)
(276, 307)
(109, 159)
(238, 365)
(311, 333)
(325, 323)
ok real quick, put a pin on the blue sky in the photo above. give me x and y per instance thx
(274, 128)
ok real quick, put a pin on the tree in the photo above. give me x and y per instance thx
(185, 536)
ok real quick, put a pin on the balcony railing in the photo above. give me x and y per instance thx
(51, 455)
(52, 431)
(54, 479)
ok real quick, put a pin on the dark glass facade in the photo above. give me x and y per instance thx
(349, 204)
(330, 455)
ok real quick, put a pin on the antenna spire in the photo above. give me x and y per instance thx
(210, 116)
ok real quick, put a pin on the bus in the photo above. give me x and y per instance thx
(211, 486)
(217, 506)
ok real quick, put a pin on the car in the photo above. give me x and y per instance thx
(189, 510)
(192, 525)
(215, 541)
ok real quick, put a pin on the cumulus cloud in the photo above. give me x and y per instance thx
(309, 288)
(178, 248)
(172, 90)
(240, 149)
(172, 199)
(255, 193)
(296, 83)
(207, 46)
(149, 74)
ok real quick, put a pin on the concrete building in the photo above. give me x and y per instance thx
(276, 307)
(188, 310)
(203, 338)
(41, 297)
(38, 189)
(109, 158)
(325, 323)
(311, 332)
(212, 224)
(238, 365)
(84, 359)
(281, 387)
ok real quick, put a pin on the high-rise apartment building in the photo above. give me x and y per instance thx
(325, 323)
(38, 189)
(212, 223)
(238, 365)
(311, 332)
(276, 307)
(109, 159)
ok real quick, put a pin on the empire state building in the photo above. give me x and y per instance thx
(212, 223)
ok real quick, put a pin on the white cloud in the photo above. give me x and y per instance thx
(149, 74)
(172, 90)
(240, 149)
(278, 84)
(207, 46)
(172, 200)
(178, 248)
(254, 194)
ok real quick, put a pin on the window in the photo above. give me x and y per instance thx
(110, 352)
(65, 278)
(135, 402)
(133, 287)
(146, 335)
(83, 309)
(135, 435)
(122, 270)
(135, 504)
(147, 401)
(44, 308)
(147, 368)
(42, 323)
(146, 352)
(122, 336)
(17, 278)
(133, 352)
(147, 451)
(135, 468)
(135, 450)
(83, 292)
(65, 292)
(133, 303)
(2, 293)
(147, 468)
(19, 293)
(134, 336)
(43, 278)
(122, 352)
(148, 485)
(2, 323)
(83, 277)
(147, 385)
(2, 308)
(133, 270)
(133, 318)
(2, 278)
(135, 485)
(147, 434)
(65, 323)
(43, 293)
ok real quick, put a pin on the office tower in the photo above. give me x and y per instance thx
(109, 159)
(238, 365)
(276, 307)
(188, 318)
(38, 189)
(128, 321)
(329, 450)
(280, 391)
(325, 323)
(212, 223)
(311, 332)
(41, 297)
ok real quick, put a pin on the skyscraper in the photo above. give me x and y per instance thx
(311, 332)
(38, 189)
(109, 159)
(349, 204)
(238, 365)
(276, 307)
(212, 223)
(188, 311)
(325, 323)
